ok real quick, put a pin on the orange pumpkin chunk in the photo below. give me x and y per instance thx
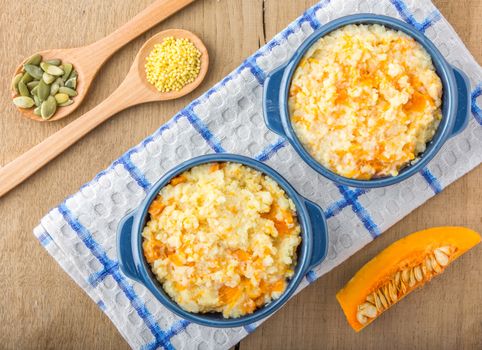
(401, 268)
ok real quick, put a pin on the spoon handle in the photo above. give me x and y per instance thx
(148, 18)
(21, 168)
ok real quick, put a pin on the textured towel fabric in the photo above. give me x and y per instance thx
(81, 232)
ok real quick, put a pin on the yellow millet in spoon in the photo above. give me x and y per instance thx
(172, 64)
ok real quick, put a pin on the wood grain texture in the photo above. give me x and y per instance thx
(42, 308)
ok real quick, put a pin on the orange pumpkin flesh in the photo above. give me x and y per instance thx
(402, 267)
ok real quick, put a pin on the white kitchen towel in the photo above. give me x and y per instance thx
(81, 232)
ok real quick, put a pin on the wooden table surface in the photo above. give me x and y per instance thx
(41, 307)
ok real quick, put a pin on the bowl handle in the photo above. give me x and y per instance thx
(124, 248)
(271, 107)
(320, 233)
(463, 106)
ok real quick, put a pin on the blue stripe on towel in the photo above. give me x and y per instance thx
(134, 171)
(408, 17)
(352, 199)
(44, 239)
(475, 108)
(270, 150)
(101, 255)
(339, 205)
(432, 180)
(202, 129)
(101, 305)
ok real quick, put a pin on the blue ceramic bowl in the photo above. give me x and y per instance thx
(455, 100)
(311, 251)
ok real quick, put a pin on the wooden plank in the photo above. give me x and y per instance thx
(43, 308)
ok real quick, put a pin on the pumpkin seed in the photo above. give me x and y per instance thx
(61, 98)
(383, 300)
(67, 70)
(23, 102)
(371, 299)
(378, 303)
(392, 290)
(68, 91)
(368, 310)
(32, 84)
(34, 71)
(440, 256)
(22, 89)
(74, 74)
(43, 90)
(35, 60)
(52, 70)
(33, 92)
(37, 111)
(412, 280)
(361, 318)
(60, 82)
(434, 264)
(37, 101)
(428, 264)
(16, 79)
(71, 83)
(405, 275)
(54, 89)
(49, 79)
(417, 271)
(27, 78)
(68, 103)
(48, 108)
(53, 62)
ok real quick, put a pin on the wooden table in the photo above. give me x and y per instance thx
(41, 307)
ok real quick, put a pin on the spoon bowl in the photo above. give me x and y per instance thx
(158, 38)
(134, 90)
(85, 78)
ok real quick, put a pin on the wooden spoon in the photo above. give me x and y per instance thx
(132, 91)
(87, 60)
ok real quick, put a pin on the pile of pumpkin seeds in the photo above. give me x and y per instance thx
(45, 85)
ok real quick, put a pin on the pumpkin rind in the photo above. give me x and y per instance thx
(377, 278)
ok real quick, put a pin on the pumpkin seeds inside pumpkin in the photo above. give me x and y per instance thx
(387, 294)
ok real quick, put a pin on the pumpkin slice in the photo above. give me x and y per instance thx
(399, 269)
